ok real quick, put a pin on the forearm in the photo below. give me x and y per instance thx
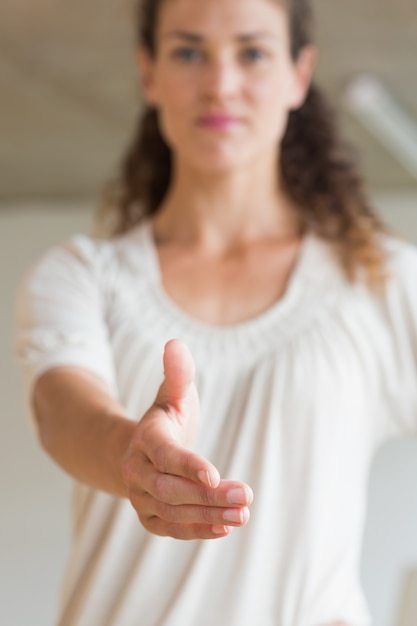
(83, 428)
(174, 491)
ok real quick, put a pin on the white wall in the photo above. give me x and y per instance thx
(34, 519)
(390, 543)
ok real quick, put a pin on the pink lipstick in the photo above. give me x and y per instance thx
(218, 122)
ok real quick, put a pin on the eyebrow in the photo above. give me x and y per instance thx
(195, 38)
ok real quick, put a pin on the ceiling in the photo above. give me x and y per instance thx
(69, 94)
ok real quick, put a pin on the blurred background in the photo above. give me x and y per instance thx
(68, 102)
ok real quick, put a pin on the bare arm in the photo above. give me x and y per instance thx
(82, 427)
(174, 491)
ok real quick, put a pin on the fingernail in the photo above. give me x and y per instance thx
(205, 478)
(237, 496)
(233, 515)
(220, 530)
(209, 478)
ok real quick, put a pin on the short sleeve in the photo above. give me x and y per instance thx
(61, 315)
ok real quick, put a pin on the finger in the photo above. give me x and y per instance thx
(148, 507)
(176, 490)
(187, 532)
(178, 396)
(171, 458)
(189, 514)
(179, 370)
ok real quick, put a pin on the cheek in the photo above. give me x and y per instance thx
(271, 99)
(271, 112)
(175, 101)
(274, 88)
(175, 87)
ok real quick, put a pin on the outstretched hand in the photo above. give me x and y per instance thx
(174, 491)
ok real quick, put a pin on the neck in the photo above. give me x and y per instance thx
(226, 209)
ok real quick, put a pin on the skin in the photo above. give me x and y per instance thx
(174, 491)
(204, 250)
(225, 57)
(225, 233)
(231, 57)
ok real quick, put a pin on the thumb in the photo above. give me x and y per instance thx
(179, 370)
(178, 391)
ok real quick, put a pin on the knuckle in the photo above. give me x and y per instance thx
(161, 454)
(201, 532)
(206, 514)
(127, 473)
(187, 465)
(174, 531)
(138, 502)
(134, 499)
(153, 525)
(132, 468)
(167, 512)
(160, 487)
(145, 520)
(205, 497)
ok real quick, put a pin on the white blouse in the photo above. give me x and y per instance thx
(294, 402)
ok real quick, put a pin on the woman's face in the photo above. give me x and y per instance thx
(223, 80)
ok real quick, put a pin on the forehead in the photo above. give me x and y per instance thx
(219, 19)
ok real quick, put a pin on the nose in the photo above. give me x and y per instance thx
(223, 79)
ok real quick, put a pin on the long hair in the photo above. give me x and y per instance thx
(317, 168)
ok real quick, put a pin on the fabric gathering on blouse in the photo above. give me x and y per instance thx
(295, 402)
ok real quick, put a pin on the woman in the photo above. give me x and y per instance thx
(244, 244)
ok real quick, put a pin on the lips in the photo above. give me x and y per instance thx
(219, 121)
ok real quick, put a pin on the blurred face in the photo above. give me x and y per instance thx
(223, 80)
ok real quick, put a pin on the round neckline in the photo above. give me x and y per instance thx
(305, 292)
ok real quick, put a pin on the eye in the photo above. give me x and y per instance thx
(188, 55)
(251, 55)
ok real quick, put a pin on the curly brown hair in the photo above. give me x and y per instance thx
(317, 168)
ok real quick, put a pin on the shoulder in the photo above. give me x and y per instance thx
(398, 300)
(85, 258)
(401, 262)
(83, 273)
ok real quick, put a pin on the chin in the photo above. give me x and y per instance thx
(221, 163)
